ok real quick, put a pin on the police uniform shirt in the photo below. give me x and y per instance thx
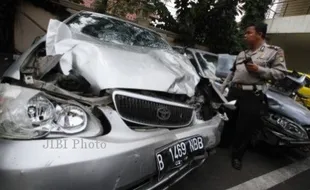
(270, 61)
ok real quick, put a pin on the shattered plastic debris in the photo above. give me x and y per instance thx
(9, 129)
(14, 121)
(197, 102)
(108, 65)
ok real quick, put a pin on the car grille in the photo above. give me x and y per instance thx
(151, 111)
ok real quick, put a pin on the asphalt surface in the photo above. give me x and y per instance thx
(217, 173)
(300, 182)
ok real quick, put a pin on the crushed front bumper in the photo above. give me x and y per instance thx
(122, 159)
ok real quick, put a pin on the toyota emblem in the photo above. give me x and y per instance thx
(163, 113)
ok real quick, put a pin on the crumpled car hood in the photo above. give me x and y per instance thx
(107, 66)
(286, 106)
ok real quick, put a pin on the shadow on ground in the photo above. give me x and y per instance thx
(217, 173)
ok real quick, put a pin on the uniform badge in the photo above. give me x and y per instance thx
(262, 48)
(262, 55)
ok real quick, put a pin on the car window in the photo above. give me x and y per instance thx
(207, 67)
(201, 61)
(225, 63)
(112, 30)
(205, 63)
(211, 59)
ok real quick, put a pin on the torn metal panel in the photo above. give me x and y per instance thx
(108, 65)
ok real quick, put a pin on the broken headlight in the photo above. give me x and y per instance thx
(70, 119)
(292, 128)
(22, 117)
(289, 127)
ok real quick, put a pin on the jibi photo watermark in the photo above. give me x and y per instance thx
(73, 144)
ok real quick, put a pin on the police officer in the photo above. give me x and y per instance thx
(252, 69)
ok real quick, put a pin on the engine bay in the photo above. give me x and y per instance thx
(46, 68)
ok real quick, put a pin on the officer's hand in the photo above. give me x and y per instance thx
(252, 67)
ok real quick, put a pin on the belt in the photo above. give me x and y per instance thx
(248, 86)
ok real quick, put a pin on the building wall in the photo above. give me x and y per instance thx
(290, 30)
(30, 22)
(286, 25)
(292, 8)
(298, 60)
(296, 48)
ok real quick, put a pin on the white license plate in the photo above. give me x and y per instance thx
(178, 153)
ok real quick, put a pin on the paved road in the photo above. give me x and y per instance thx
(298, 182)
(262, 168)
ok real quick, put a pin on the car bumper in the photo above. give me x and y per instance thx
(124, 158)
(279, 139)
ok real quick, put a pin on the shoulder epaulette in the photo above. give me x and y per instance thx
(273, 47)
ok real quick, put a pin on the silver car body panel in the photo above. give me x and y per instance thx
(126, 156)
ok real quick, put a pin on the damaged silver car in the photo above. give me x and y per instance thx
(102, 103)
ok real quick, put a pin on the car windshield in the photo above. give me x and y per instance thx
(205, 63)
(112, 30)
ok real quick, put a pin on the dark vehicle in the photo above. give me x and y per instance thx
(287, 122)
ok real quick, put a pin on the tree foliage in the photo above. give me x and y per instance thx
(165, 20)
(212, 22)
(209, 22)
(101, 6)
(186, 16)
(221, 30)
(122, 7)
(255, 11)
